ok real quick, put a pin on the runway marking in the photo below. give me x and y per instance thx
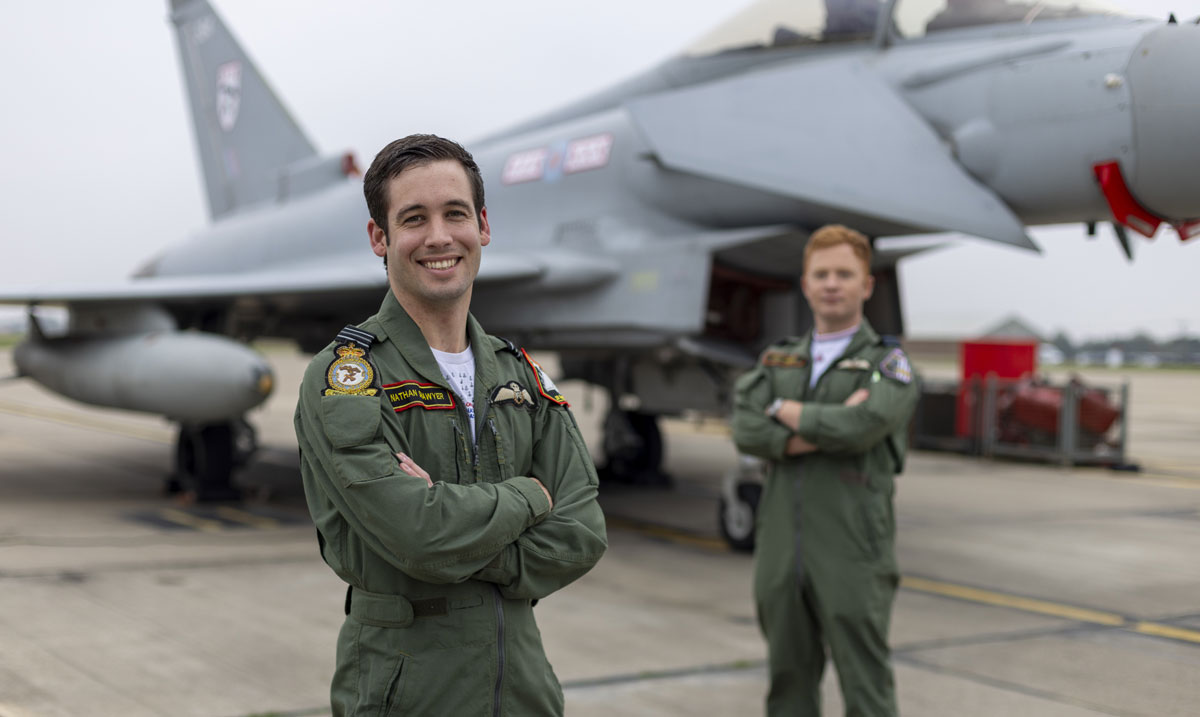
(1043, 607)
(673, 535)
(666, 674)
(988, 597)
(216, 519)
(1168, 631)
(1170, 480)
(1145, 477)
(188, 520)
(240, 516)
(951, 590)
(76, 419)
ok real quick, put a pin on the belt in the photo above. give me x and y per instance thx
(391, 610)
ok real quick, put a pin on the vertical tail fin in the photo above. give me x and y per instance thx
(244, 134)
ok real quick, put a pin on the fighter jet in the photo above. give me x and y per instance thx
(650, 234)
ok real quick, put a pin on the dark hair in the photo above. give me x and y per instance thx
(415, 150)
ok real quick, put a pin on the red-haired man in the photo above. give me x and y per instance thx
(828, 411)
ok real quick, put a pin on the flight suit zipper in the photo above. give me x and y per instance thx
(479, 418)
(499, 649)
(498, 599)
(499, 450)
(466, 451)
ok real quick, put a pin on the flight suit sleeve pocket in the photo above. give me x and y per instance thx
(352, 425)
(350, 420)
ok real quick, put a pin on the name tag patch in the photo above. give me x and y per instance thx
(410, 394)
(783, 359)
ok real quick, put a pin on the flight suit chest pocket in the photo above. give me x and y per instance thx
(791, 382)
(843, 381)
(511, 429)
(352, 425)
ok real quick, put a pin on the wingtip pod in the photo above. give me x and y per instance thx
(186, 376)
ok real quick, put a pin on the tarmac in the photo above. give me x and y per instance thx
(1028, 589)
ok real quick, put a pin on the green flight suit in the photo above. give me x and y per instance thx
(443, 579)
(825, 566)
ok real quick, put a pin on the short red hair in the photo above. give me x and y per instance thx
(832, 235)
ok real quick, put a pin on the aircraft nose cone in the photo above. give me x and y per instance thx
(1164, 83)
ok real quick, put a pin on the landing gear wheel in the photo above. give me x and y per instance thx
(204, 460)
(633, 448)
(736, 516)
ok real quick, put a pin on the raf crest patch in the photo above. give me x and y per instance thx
(514, 393)
(351, 373)
(783, 359)
(411, 394)
(895, 366)
(545, 386)
(855, 364)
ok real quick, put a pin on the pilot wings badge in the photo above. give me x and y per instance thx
(514, 393)
(351, 373)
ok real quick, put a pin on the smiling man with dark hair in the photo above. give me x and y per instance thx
(449, 484)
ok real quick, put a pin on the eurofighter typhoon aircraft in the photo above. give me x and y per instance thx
(651, 234)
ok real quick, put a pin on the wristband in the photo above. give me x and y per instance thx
(773, 409)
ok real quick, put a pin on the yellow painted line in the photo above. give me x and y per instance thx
(669, 534)
(953, 590)
(1159, 480)
(1169, 631)
(246, 518)
(1042, 607)
(74, 419)
(1172, 466)
(187, 519)
(987, 597)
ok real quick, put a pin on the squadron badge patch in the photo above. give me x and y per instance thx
(350, 374)
(411, 394)
(783, 359)
(545, 386)
(514, 393)
(895, 366)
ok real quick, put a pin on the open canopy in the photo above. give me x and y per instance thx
(769, 24)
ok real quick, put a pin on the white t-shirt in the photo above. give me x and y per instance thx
(826, 348)
(459, 371)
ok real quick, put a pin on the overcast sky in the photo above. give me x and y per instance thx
(98, 170)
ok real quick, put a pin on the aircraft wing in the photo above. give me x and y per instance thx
(831, 133)
(327, 275)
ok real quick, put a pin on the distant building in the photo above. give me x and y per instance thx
(1014, 329)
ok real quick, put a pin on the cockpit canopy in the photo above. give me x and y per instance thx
(769, 24)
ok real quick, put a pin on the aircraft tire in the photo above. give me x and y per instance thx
(633, 448)
(204, 461)
(736, 518)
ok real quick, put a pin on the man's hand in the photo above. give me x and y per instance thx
(789, 413)
(857, 397)
(797, 446)
(548, 496)
(410, 467)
